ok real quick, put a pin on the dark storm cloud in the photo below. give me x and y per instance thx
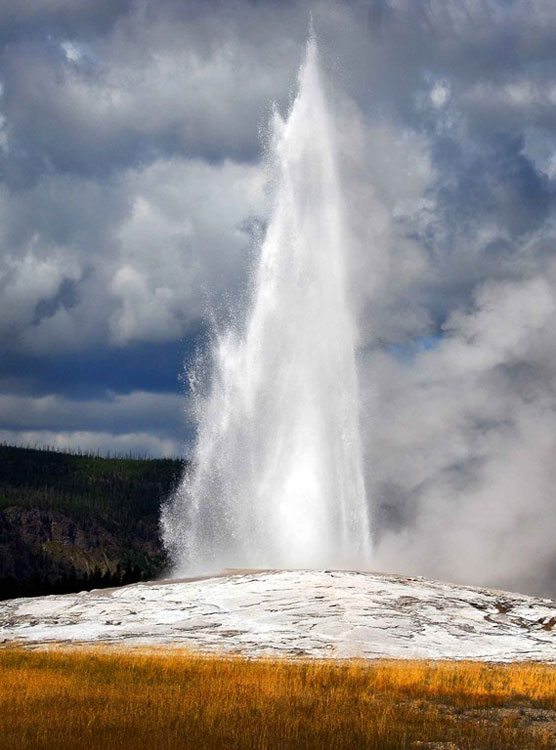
(132, 183)
(28, 19)
(165, 79)
(160, 414)
(143, 366)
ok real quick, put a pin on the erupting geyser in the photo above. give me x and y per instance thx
(277, 478)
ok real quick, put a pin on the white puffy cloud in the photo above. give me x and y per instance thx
(184, 239)
(140, 444)
(29, 279)
(80, 266)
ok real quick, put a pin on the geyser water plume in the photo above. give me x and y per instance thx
(277, 476)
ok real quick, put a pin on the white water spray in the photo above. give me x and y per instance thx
(277, 477)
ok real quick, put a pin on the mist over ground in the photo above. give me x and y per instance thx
(133, 190)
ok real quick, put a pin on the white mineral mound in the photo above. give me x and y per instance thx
(296, 612)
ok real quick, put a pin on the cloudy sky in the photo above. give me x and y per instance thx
(132, 192)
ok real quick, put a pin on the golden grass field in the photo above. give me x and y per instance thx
(100, 698)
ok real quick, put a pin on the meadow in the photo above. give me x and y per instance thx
(102, 698)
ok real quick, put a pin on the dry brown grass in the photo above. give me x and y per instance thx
(104, 699)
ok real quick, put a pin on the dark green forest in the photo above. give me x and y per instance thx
(72, 522)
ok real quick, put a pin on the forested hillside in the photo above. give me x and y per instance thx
(73, 522)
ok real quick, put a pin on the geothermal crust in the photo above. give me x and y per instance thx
(317, 613)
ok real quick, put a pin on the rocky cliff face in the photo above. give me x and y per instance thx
(48, 551)
(69, 523)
